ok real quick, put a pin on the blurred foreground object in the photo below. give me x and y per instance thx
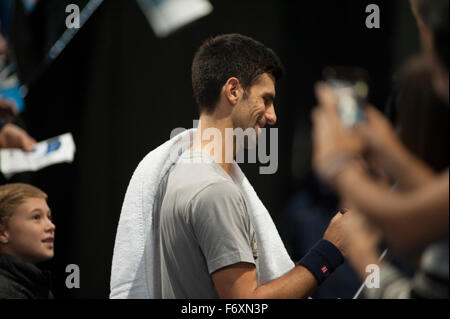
(167, 16)
(52, 151)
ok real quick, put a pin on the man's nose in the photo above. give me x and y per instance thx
(270, 116)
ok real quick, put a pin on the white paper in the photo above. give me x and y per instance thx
(166, 16)
(55, 150)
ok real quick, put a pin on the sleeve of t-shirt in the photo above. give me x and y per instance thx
(222, 226)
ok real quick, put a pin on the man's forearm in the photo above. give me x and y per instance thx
(312, 270)
(296, 284)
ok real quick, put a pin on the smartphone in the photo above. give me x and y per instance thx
(351, 85)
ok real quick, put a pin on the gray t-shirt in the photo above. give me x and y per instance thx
(201, 225)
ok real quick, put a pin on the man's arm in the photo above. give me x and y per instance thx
(239, 281)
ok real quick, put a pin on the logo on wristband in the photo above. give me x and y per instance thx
(325, 270)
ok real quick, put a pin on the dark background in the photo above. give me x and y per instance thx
(121, 90)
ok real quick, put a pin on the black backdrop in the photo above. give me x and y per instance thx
(120, 90)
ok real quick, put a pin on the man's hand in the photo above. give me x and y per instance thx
(12, 136)
(352, 234)
(336, 232)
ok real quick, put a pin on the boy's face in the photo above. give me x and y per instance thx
(30, 233)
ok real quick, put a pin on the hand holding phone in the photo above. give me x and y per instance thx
(350, 84)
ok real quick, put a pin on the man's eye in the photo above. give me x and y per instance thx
(37, 217)
(267, 101)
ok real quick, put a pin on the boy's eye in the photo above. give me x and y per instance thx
(37, 217)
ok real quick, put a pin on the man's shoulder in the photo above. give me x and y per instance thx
(221, 194)
(217, 189)
(200, 180)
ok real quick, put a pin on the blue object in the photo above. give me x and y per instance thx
(29, 5)
(52, 146)
(14, 95)
(322, 260)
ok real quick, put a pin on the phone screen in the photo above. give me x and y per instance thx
(351, 87)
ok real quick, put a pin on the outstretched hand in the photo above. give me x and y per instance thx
(12, 136)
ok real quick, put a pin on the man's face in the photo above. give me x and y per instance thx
(30, 232)
(438, 71)
(256, 109)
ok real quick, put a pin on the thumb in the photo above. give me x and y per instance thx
(337, 216)
(28, 143)
(373, 114)
(326, 97)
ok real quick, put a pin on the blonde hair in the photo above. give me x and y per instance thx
(13, 195)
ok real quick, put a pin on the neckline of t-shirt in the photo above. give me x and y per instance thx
(189, 156)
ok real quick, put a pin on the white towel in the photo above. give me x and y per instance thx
(132, 266)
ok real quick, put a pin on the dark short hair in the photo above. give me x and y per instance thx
(226, 56)
(434, 13)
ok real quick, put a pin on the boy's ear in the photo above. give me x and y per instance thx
(4, 235)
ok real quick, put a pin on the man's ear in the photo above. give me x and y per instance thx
(233, 90)
(4, 235)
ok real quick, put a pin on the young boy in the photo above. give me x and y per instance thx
(26, 238)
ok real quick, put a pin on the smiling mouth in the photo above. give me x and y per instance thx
(48, 241)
